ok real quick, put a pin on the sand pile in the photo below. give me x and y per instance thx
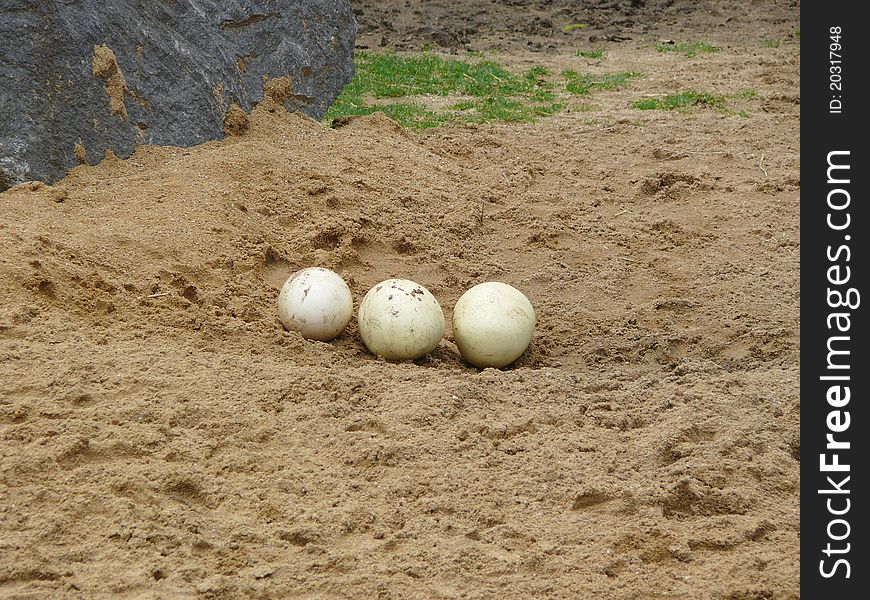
(174, 236)
(163, 436)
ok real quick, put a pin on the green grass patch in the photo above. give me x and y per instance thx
(499, 94)
(772, 43)
(591, 53)
(537, 72)
(388, 75)
(408, 114)
(797, 32)
(743, 95)
(579, 84)
(390, 82)
(689, 49)
(573, 27)
(688, 99)
(680, 100)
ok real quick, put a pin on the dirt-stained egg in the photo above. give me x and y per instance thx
(399, 319)
(493, 324)
(316, 302)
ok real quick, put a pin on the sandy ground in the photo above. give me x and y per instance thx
(540, 25)
(161, 436)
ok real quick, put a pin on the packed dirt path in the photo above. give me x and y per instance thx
(162, 436)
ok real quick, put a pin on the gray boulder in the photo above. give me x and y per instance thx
(78, 77)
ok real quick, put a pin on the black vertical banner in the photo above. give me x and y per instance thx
(835, 367)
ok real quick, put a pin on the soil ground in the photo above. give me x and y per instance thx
(162, 436)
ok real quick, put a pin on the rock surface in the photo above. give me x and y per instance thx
(83, 76)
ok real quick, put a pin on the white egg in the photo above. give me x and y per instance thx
(399, 320)
(493, 324)
(316, 302)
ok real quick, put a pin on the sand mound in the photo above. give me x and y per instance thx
(207, 235)
(163, 435)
